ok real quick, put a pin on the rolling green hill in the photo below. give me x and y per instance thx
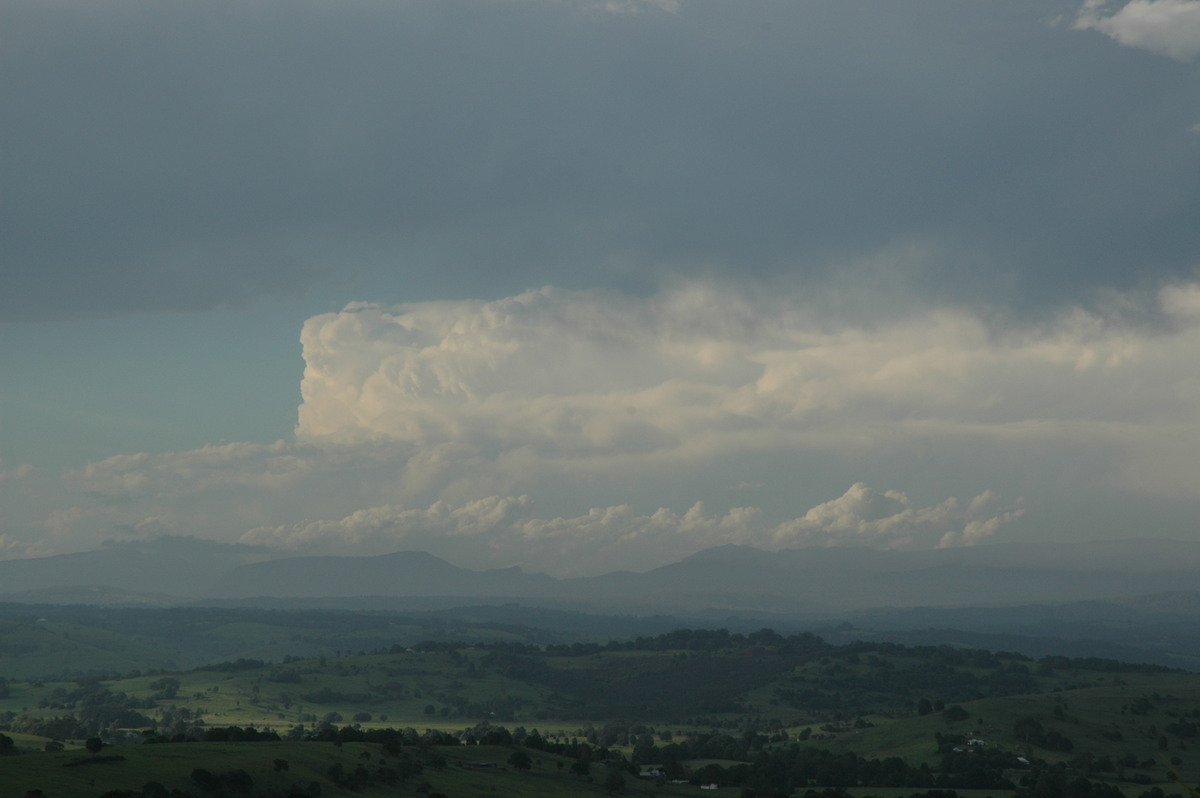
(748, 711)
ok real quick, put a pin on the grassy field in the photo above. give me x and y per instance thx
(1095, 718)
(1131, 721)
(76, 774)
(473, 770)
(468, 771)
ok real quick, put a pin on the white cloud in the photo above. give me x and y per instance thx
(1181, 303)
(1165, 27)
(587, 399)
(863, 517)
(260, 465)
(558, 380)
(12, 548)
(503, 530)
(390, 524)
(635, 6)
(612, 6)
(22, 471)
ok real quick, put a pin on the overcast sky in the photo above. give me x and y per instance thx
(578, 285)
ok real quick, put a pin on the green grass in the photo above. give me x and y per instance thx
(1087, 706)
(172, 764)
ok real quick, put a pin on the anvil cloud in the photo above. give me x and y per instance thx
(450, 426)
(568, 378)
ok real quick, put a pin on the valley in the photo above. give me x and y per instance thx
(758, 714)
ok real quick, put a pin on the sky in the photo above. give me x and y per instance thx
(580, 285)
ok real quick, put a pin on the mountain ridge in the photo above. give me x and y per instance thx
(813, 580)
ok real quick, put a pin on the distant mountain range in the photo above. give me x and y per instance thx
(1130, 600)
(812, 582)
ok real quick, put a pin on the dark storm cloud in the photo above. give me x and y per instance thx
(186, 156)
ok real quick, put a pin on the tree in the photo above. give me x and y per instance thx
(94, 744)
(238, 781)
(520, 760)
(167, 687)
(205, 779)
(614, 782)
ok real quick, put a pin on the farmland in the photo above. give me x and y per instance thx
(762, 713)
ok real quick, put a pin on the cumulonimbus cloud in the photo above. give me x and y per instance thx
(1165, 27)
(419, 412)
(579, 377)
(613, 537)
